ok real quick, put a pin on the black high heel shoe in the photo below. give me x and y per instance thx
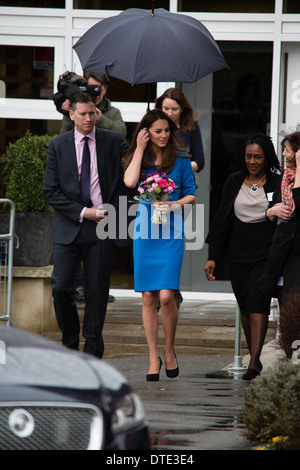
(250, 374)
(172, 373)
(154, 377)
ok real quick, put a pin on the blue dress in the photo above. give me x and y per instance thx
(158, 248)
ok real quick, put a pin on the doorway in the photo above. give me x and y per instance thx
(232, 104)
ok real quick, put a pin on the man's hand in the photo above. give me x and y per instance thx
(92, 213)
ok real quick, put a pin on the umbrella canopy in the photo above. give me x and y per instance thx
(144, 46)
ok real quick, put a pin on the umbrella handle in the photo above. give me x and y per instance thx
(106, 70)
(153, 2)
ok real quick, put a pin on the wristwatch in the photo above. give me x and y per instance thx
(177, 206)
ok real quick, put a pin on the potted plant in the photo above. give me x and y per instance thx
(24, 166)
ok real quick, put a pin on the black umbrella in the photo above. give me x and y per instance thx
(148, 46)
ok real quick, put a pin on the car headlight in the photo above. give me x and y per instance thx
(128, 413)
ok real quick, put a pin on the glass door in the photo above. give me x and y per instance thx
(240, 103)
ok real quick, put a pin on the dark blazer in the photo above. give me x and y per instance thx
(285, 243)
(193, 140)
(289, 232)
(61, 181)
(218, 237)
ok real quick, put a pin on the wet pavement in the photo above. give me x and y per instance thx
(201, 409)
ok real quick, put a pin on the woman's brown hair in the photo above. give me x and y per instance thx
(169, 152)
(187, 117)
(293, 139)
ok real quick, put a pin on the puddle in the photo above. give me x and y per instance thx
(164, 439)
(199, 410)
(224, 374)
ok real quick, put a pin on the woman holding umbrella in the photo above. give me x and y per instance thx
(174, 103)
(157, 252)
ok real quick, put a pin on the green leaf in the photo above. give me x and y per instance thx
(24, 167)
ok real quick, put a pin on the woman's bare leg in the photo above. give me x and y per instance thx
(169, 318)
(150, 322)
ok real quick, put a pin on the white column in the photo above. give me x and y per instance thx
(276, 74)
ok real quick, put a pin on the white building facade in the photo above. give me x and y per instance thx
(260, 92)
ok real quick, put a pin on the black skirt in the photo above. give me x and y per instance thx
(248, 252)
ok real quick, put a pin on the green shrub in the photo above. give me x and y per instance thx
(272, 405)
(24, 167)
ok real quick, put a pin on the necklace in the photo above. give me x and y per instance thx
(254, 186)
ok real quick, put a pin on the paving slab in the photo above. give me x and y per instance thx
(199, 410)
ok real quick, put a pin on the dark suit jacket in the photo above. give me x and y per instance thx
(61, 182)
(219, 234)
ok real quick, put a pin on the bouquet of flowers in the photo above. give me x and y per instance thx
(157, 187)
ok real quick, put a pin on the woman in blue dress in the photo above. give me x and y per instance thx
(174, 103)
(158, 248)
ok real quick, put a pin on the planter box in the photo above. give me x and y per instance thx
(32, 303)
(33, 232)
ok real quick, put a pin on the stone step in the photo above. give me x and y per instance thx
(209, 333)
(133, 342)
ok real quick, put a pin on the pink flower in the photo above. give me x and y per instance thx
(157, 187)
(163, 183)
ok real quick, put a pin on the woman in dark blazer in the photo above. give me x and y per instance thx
(242, 228)
(284, 256)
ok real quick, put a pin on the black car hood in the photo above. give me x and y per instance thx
(31, 360)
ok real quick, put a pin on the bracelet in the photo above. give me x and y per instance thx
(177, 206)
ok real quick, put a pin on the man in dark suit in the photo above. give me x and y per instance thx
(76, 219)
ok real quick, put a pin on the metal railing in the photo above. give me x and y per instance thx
(237, 367)
(6, 264)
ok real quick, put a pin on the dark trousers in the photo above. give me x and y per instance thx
(97, 256)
